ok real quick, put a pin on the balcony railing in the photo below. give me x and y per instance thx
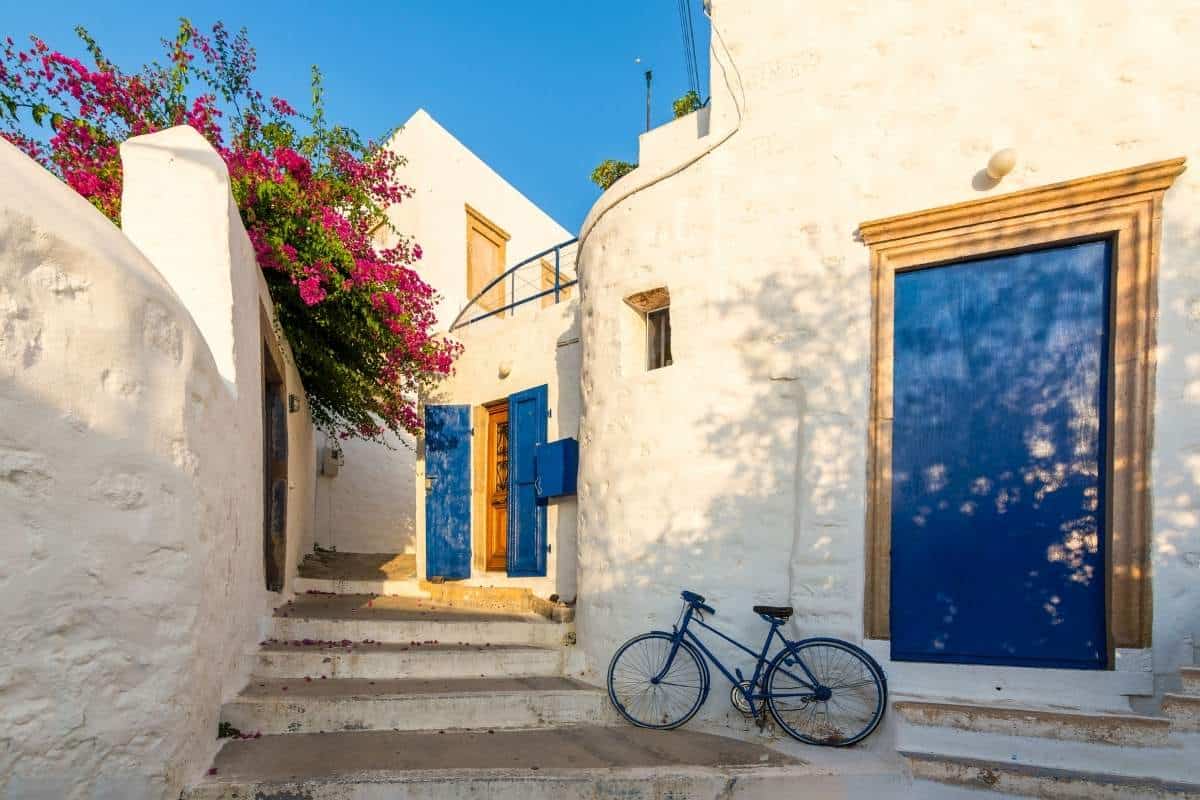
(547, 276)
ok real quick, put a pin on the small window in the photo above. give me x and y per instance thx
(658, 338)
(654, 308)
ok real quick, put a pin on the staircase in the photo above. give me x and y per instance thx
(366, 696)
(956, 749)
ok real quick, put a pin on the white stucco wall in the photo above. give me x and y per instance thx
(370, 505)
(739, 471)
(543, 348)
(131, 569)
(447, 177)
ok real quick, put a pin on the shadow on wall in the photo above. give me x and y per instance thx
(118, 524)
(763, 411)
(782, 519)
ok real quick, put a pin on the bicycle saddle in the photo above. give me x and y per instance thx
(778, 612)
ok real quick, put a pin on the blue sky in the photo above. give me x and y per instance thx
(542, 90)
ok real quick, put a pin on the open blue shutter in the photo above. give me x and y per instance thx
(526, 513)
(448, 492)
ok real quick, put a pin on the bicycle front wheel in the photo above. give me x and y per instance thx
(844, 706)
(652, 693)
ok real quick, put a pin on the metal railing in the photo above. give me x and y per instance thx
(532, 275)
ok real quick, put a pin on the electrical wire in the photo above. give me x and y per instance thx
(738, 108)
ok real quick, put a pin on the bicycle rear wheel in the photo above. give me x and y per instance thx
(843, 708)
(646, 700)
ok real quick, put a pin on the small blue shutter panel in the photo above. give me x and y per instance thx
(526, 513)
(448, 496)
(1000, 401)
(557, 465)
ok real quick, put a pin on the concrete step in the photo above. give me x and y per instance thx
(1191, 680)
(405, 619)
(351, 704)
(405, 587)
(1183, 710)
(295, 659)
(1026, 780)
(593, 762)
(1124, 730)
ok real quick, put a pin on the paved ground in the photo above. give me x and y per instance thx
(302, 756)
(374, 607)
(359, 566)
(363, 687)
(298, 646)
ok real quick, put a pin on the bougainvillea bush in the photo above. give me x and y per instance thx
(311, 196)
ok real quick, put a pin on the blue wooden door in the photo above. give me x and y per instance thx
(1000, 379)
(526, 513)
(448, 491)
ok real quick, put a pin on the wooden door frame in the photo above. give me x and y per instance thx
(1125, 206)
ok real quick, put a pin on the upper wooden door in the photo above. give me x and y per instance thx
(485, 259)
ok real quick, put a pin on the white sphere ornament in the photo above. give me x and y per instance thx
(505, 369)
(1001, 163)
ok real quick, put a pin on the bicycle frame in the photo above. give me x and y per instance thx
(753, 698)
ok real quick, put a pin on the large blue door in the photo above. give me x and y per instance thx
(1000, 379)
(448, 491)
(526, 513)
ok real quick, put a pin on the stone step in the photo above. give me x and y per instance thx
(1183, 710)
(1025, 780)
(405, 587)
(1124, 730)
(393, 660)
(349, 704)
(404, 620)
(1191, 680)
(593, 762)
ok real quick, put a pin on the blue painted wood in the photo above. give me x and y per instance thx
(526, 513)
(557, 466)
(448, 496)
(998, 451)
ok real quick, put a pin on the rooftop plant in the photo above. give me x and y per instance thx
(310, 193)
(687, 104)
(609, 171)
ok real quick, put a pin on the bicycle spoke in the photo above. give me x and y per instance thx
(852, 703)
(667, 702)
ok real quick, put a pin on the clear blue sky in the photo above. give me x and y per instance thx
(542, 90)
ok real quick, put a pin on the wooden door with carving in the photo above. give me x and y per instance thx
(497, 486)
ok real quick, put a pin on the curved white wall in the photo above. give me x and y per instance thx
(739, 471)
(131, 567)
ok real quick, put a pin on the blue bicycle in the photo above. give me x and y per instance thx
(821, 691)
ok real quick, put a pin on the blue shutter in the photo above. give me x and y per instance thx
(526, 513)
(1000, 379)
(448, 496)
(557, 465)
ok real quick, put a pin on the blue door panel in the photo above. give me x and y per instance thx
(448, 496)
(526, 513)
(1000, 379)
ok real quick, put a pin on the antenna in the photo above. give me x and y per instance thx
(649, 80)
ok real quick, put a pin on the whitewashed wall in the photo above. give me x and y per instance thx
(500, 358)
(370, 505)
(447, 177)
(740, 470)
(131, 550)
